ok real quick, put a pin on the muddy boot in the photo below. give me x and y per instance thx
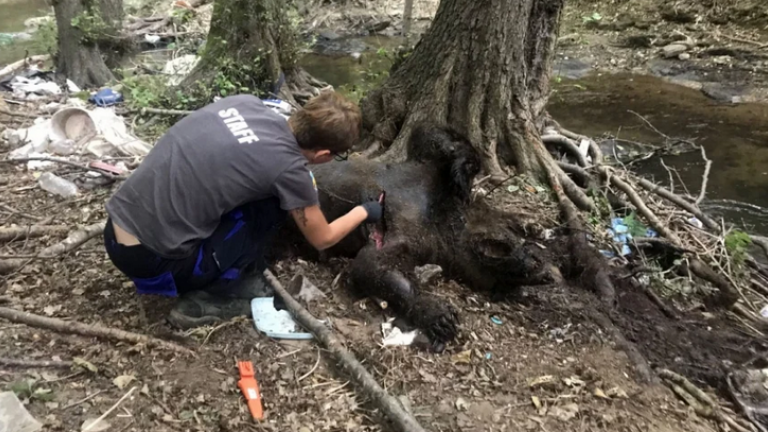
(198, 308)
(249, 286)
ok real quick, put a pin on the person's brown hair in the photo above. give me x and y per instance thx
(328, 121)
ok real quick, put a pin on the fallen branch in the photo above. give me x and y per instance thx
(643, 209)
(679, 201)
(73, 241)
(34, 363)
(31, 231)
(389, 405)
(93, 330)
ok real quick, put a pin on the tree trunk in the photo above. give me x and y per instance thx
(249, 44)
(80, 24)
(484, 68)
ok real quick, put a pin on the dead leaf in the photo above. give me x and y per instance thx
(123, 380)
(50, 310)
(461, 404)
(428, 377)
(573, 382)
(599, 393)
(536, 402)
(90, 425)
(564, 413)
(462, 357)
(617, 392)
(145, 390)
(546, 379)
(79, 361)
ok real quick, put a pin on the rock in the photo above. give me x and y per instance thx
(377, 26)
(571, 68)
(723, 93)
(674, 50)
(684, 56)
(328, 34)
(567, 412)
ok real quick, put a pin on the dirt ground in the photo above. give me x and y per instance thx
(542, 364)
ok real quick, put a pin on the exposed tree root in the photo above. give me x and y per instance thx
(389, 405)
(73, 241)
(31, 231)
(702, 404)
(94, 330)
(679, 201)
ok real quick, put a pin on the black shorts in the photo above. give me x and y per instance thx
(239, 241)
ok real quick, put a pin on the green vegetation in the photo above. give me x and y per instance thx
(736, 243)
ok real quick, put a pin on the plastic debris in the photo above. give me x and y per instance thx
(279, 106)
(14, 417)
(179, 68)
(621, 235)
(274, 323)
(393, 336)
(764, 311)
(496, 320)
(57, 185)
(694, 221)
(106, 97)
(64, 147)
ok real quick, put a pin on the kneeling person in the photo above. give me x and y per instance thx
(195, 218)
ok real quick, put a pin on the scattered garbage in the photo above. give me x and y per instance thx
(694, 221)
(34, 84)
(106, 97)
(56, 185)
(179, 68)
(622, 231)
(496, 320)
(393, 336)
(279, 106)
(274, 323)
(99, 132)
(764, 311)
(14, 417)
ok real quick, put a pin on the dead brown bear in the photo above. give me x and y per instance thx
(428, 218)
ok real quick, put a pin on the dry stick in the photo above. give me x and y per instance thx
(34, 363)
(705, 177)
(746, 409)
(94, 330)
(109, 411)
(679, 201)
(20, 213)
(164, 111)
(31, 231)
(73, 241)
(643, 209)
(11, 68)
(389, 405)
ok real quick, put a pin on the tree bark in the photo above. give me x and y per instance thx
(79, 56)
(484, 68)
(249, 44)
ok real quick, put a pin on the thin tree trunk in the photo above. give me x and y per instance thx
(483, 67)
(79, 57)
(407, 18)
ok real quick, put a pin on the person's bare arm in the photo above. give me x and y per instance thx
(319, 232)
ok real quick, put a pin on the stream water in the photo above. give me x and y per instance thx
(735, 136)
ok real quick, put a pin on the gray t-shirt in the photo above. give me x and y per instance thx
(226, 154)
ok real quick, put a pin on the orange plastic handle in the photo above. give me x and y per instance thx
(250, 389)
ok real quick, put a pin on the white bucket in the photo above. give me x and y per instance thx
(72, 123)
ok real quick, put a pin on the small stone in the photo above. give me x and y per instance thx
(684, 56)
(674, 50)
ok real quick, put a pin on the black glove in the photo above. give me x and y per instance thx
(374, 211)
